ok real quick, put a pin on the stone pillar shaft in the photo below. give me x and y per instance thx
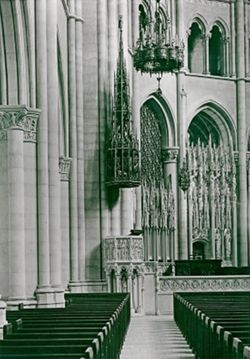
(74, 277)
(80, 142)
(232, 27)
(17, 123)
(241, 122)
(206, 54)
(127, 196)
(102, 38)
(54, 179)
(181, 115)
(170, 156)
(115, 220)
(136, 108)
(42, 148)
(3, 320)
(126, 211)
(16, 213)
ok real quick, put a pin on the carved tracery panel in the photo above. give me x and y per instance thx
(212, 198)
(157, 200)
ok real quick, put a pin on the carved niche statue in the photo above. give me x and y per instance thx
(227, 243)
(217, 239)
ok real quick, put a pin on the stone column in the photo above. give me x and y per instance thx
(206, 53)
(74, 265)
(44, 292)
(235, 219)
(241, 124)
(17, 123)
(115, 195)
(212, 197)
(226, 54)
(126, 211)
(80, 141)
(136, 108)
(169, 157)
(181, 117)
(16, 213)
(173, 16)
(64, 171)
(246, 29)
(126, 193)
(139, 292)
(102, 37)
(232, 49)
(54, 179)
(248, 197)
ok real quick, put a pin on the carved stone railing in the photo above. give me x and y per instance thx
(204, 284)
(122, 249)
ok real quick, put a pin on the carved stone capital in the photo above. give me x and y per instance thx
(170, 154)
(64, 168)
(19, 117)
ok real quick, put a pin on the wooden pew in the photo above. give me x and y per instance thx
(92, 326)
(211, 323)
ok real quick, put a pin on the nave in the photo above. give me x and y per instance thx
(155, 337)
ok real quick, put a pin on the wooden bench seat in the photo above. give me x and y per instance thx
(217, 325)
(78, 331)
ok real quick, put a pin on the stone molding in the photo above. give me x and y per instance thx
(64, 168)
(170, 154)
(196, 284)
(19, 117)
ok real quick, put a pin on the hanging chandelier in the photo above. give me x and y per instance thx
(157, 51)
(122, 150)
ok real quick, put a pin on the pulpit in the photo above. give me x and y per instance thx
(123, 258)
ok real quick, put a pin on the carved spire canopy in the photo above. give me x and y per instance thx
(122, 145)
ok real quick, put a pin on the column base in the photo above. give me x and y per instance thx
(74, 287)
(13, 303)
(45, 297)
(94, 286)
(59, 299)
(3, 320)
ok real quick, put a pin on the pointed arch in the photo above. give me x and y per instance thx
(222, 25)
(200, 21)
(213, 116)
(166, 118)
(196, 45)
(218, 56)
(16, 70)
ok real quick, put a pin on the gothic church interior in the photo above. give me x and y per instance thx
(124, 149)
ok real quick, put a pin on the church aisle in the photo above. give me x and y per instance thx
(151, 337)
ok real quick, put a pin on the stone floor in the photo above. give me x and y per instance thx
(154, 337)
